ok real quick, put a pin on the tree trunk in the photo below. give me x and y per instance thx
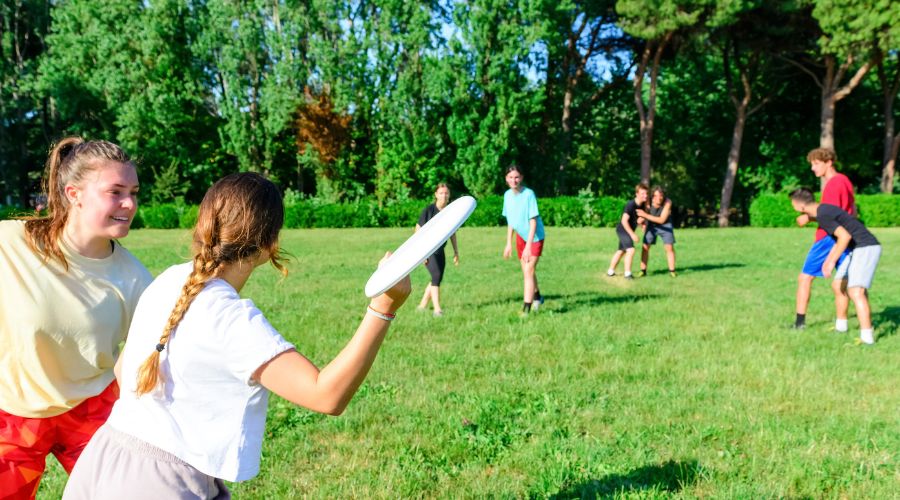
(565, 139)
(889, 89)
(887, 173)
(647, 115)
(734, 156)
(826, 121)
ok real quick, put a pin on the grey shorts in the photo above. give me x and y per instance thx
(115, 465)
(859, 267)
(667, 236)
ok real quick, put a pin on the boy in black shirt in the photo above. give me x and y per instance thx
(859, 266)
(625, 231)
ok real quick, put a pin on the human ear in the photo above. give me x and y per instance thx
(72, 194)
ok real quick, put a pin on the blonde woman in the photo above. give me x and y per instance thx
(68, 294)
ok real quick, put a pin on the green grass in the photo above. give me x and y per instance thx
(686, 387)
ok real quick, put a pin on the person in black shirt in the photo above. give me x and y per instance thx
(859, 267)
(437, 261)
(625, 231)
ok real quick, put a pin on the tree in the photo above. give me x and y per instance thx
(23, 28)
(585, 50)
(657, 23)
(492, 101)
(748, 39)
(848, 34)
(890, 85)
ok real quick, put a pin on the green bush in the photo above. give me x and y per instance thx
(879, 210)
(162, 216)
(188, 217)
(772, 210)
(488, 212)
(775, 210)
(400, 214)
(15, 212)
(299, 215)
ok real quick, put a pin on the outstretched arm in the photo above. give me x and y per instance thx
(295, 378)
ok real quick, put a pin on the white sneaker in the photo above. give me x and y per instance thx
(867, 336)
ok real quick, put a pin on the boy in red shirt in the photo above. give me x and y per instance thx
(837, 190)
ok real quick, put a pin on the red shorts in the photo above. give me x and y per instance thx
(536, 246)
(26, 442)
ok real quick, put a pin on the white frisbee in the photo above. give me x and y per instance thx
(421, 245)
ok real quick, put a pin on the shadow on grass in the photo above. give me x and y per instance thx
(701, 267)
(887, 322)
(561, 304)
(667, 477)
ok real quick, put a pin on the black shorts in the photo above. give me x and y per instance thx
(435, 266)
(625, 241)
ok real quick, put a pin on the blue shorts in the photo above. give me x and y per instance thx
(818, 252)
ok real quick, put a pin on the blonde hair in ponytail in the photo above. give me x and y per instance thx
(68, 162)
(239, 217)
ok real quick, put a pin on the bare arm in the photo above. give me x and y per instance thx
(843, 241)
(658, 219)
(295, 378)
(627, 227)
(509, 236)
(455, 249)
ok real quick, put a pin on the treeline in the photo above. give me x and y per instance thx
(345, 100)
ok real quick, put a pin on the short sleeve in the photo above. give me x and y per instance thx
(532, 206)
(423, 217)
(505, 213)
(251, 335)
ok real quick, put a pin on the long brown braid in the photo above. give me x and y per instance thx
(239, 217)
(69, 161)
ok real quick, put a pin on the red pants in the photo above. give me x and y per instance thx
(26, 442)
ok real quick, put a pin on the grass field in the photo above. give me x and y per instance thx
(661, 387)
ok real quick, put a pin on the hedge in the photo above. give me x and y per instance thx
(767, 210)
(775, 210)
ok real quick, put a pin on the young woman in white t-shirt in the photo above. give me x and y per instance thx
(200, 361)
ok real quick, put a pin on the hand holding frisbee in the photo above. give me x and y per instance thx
(421, 245)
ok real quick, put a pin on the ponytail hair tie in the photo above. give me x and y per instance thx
(160, 347)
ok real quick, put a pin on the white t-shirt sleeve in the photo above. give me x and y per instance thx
(251, 334)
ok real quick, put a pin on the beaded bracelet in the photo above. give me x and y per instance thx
(381, 315)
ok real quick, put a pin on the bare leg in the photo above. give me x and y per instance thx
(629, 256)
(670, 256)
(861, 301)
(841, 299)
(615, 259)
(804, 284)
(424, 302)
(645, 256)
(436, 298)
(528, 272)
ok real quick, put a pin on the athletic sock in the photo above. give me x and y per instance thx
(867, 335)
(526, 307)
(840, 325)
(800, 321)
